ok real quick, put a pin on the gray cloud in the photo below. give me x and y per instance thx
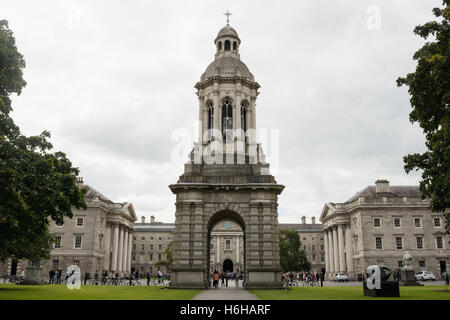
(112, 81)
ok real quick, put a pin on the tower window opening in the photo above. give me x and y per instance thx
(227, 120)
(234, 46)
(227, 45)
(210, 120)
(244, 120)
(220, 46)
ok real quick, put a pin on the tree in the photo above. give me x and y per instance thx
(291, 257)
(169, 258)
(35, 185)
(429, 88)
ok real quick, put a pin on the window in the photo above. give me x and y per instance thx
(227, 244)
(134, 257)
(59, 224)
(399, 243)
(304, 247)
(422, 265)
(80, 222)
(55, 264)
(439, 243)
(100, 242)
(57, 242)
(322, 258)
(168, 238)
(376, 222)
(220, 46)
(313, 257)
(313, 247)
(160, 239)
(243, 119)
(400, 264)
(143, 238)
(322, 247)
(159, 256)
(134, 246)
(397, 222)
(419, 241)
(151, 238)
(321, 239)
(304, 238)
(417, 223)
(378, 243)
(437, 222)
(312, 238)
(160, 247)
(227, 121)
(134, 238)
(150, 256)
(227, 45)
(210, 120)
(234, 46)
(77, 242)
(151, 247)
(211, 246)
(76, 262)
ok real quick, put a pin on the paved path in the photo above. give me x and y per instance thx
(225, 294)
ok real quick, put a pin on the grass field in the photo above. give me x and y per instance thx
(61, 292)
(351, 293)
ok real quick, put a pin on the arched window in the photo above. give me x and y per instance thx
(243, 120)
(227, 45)
(227, 120)
(220, 46)
(210, 120)
(234, 46)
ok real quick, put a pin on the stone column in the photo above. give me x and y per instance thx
(335, 250)
(218, 249)
(125, 250)
(201, 124)
(130, 241)
(348, 245)
(115, 247)
(107, 252)
(330, 252)
(237, 249)
(120, 255)
(342, 267)
(217, 116)
(327, 262)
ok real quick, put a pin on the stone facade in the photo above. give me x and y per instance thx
(378, 225)
(95, 239)
(312, 241)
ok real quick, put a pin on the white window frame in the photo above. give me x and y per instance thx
(381, 242)
(417, 243)
(400, 222)
(440, 222)
(227, 244)
(373, 221)
(75, 242)
(442, 241)
(60, 242)
(401, 243)
(420, 221)
(82, 222)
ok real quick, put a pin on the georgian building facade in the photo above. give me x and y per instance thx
(378, 225)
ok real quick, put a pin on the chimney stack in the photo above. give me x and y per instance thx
(142, 219)
(152, 219)
(304, 220)
(313, 220)
(382, 186)
(79, 181)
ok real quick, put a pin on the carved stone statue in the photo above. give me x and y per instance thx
(407, 261)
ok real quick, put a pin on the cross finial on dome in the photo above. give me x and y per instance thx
(228, 14)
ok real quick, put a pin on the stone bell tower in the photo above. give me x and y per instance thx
(226, 177)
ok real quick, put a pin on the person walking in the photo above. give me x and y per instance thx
(447, 279)
(86, 277)
(58, 276)
(51, 275)
(236, 279)
(322, 276)
(216, 278)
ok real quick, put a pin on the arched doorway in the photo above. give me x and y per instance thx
(226, 245)
(227, 266)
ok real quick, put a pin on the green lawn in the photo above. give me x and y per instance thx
(351, 293)
(61, 292)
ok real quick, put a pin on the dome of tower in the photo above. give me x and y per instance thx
(227, 66)
(228, 31)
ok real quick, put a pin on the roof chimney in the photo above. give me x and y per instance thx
(152, 219)
(142, 219)
(79, 181)
(382, 186)
(303, 220)
(313, 220)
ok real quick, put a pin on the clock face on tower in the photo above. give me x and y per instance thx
(227, 225)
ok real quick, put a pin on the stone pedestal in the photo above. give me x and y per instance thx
(408, 278)
(33, 276)
(388, 289)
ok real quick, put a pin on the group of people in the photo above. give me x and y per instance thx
(288, 277)
(217, 276)
(58, 273)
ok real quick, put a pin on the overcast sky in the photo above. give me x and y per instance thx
(112, 80)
